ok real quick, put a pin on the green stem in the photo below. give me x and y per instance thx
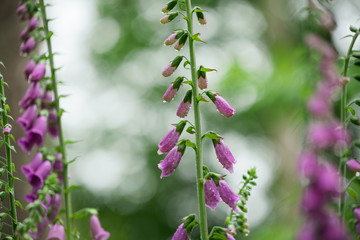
(199, 160)
(8, 159)
(68, 207)
(343, 104)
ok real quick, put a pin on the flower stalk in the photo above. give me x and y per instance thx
(62, 147)
(9, 163)
(199, 158)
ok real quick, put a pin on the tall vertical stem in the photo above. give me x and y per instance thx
(343, 105)
(68, 207)
(8, 160)
(199, 160)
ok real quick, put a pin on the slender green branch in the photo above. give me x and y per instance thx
(343, 115)
(68, 207)
(10, 176)
(199, 160)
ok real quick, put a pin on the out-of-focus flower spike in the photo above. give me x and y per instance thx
(56, 232)
(38, 177)
(31, 95)
(29, 68)
(30, 168)
(38, 72)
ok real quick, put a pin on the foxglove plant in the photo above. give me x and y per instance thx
(7, 167)
(47, 173)
(211, 186)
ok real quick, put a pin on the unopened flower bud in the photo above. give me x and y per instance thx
(169, 6)
(21, 10)
(344, 80)
(181, 42)
(7, 130)
(29, 68)
(353, 28)
(173, 89)
(170, 69)
(200, 16)
(28, 45)
(38, 72)
(24, 34)
(185, 105)
(168, 18)
(173, 37)
(202, 80)
(180, 233)
(33, 23)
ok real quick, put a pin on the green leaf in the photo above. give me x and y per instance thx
(72, 187)
(353, 194)
(186, 63)
(190, 130)
(190, 144)
(195, 37)
(7, 108)
(49, 35)
(70, 142)
(212, 135)
(351, 110)
(84, 212)
(207, 69)
(72, 161)
(17, 203)
(201, 99)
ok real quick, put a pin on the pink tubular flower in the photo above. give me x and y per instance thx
(38, 177)
(56, 232)
(31, 95)
(97, 232)
(185, 105)
(37, 132)
(223, 106)
(38, 73)
(170, 40)
(29, 67)
(312, 200)
(7, 130)
(53, 124)
(40, 229)
(212, 197)
(227, 195)
(24, 34)
(171, 138)
(202, 82)
(230, 237)
(30, 168)
(32, 196)
(54, 204)
(28, 45)
(21, 10)
(172, 160)
(27, 119)
(180, 233)
(33, 23)
(224, 155)
(353, 165)
(170, 69)
(320, 135)
(328, 180)
(173, 88)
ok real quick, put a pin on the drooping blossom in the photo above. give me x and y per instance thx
(27, 119)
(185, 105)
(224, 154)
(168, 18)
(212, 197)
(29, 68)
(40, 229)
(202, 80)
(56, 232)
(28, 45)
(170, 69)
(24, 34)
(30, 168)
(54, 207)
(35, 135)
(38, 177)
(221, 104)
(171, 138)
(227, 195)
(172, 160)
(38, 72)
(31, 95)
(32, 196)
(173, 89)
(230, 237)
(53, 124)
(97, 232)
(180, 233)
(353, 165)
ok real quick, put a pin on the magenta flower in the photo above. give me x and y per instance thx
(353, 165)
(185, 105)
(227, 195)
(32, 196)
(30, 168)
(97, 232)
(58, 165)
(27, 119)
(172, 160)
(38, 177)
(180, 233)
(171, 138)
(29, 67)
(56, 232)
(212, 197)
(320, 135)
(40, 229)
(33, 23)
(31, 95)
(224, 155)
(28, 45)
(230, 237)
(319, 106)
(170, 69)
(54, 206)
(308, 164)
(38, 73)
(327, 180)
(53, 124)
(21, 10)
(223, 106)
(7, 130)
(24, 34)
(168, 18)
(313, 199)
(37, 132)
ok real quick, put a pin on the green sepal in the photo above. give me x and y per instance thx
(173, 15)
(190, 130)
(179, 33)
(177, 83)
(183, 38)
(177, 60)
(188, 96)
(218, 233)
(206, 170)
(201, 73)
(212, 135)
(84, 212)
(353, 28)
(191, 144)
(199, 13)
(195, 37)
(211, 95)
(180, 126)
(182, 146)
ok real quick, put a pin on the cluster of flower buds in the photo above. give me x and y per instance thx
(27, 12)
(216, 189)
(325, 133)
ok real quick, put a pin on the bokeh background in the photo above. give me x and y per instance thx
(112, 54)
